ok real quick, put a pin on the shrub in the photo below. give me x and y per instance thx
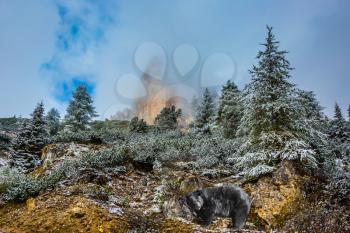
(138, 125)
(15, 185)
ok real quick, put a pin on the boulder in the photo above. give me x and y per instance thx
(90, 175)
(5, 155)
(30, 204)
(273, 196)
(173, 208)
(55, 153)
(191, 183)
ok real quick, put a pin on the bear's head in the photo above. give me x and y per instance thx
(194, 202)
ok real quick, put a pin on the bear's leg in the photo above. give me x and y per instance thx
(206, 215)
(238, 218)
(207, 218)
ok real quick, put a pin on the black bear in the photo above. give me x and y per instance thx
(224, 201)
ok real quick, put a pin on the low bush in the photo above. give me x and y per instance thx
(17, 186)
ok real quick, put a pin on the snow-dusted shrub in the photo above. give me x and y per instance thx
(103, 135)
(110, 136)
(5, 141)
(104, 158)
(339, 185)
(24, 162)
(258, 171)
(138, 125)
(78, 136)
(207, 152)
(15, 185)
(257, 158)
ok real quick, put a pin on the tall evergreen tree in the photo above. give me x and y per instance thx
(167, 118)
(338, 125)
(339, 134)
(338, 115)
(33, 135)
(205, 115)
(229, 110)
(30, 140)
(39, 132)
(53, 121)
(24, 134)
(310, 104)
(80, 110)
(272, 122)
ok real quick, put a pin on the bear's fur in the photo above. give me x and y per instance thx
(225, 201)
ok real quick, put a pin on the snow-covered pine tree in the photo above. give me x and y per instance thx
(272, 122)
(80, 111)
(349, 113)
(339, 134)
(38, 129)
(314, 124)
(31, 138)
(33, 135)
(23, 136)
(205, 114)
(338, 124)
(229, 110)
(53, 121)
(167, 118)
(310, 104)
(338, 115)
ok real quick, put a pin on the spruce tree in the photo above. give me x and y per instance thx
(349, 113)
(340, 134)
(32, 137)
(167, 118)
(39, 132)
(23, 136)
(338, 115)
(310, 104)
(338, 125)
(205, 115)
(53, 121)
(229, 110)
(272, 122)
(80, 110)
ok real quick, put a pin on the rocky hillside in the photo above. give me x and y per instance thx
(130, 197)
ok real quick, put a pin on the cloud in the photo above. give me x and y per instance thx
(49, 46)
(27, 40)
(82, 25)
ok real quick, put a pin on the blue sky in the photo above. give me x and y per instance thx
(48, 47)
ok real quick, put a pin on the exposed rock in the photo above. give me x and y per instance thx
(272, 196)
(172, 208)
(3, 162)
(115, 171)
(5, 156)
(115, 210)
(55, 213)
(77, 212)
(30, 204)
(94, 176)
(190, 184)
(54, 153)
